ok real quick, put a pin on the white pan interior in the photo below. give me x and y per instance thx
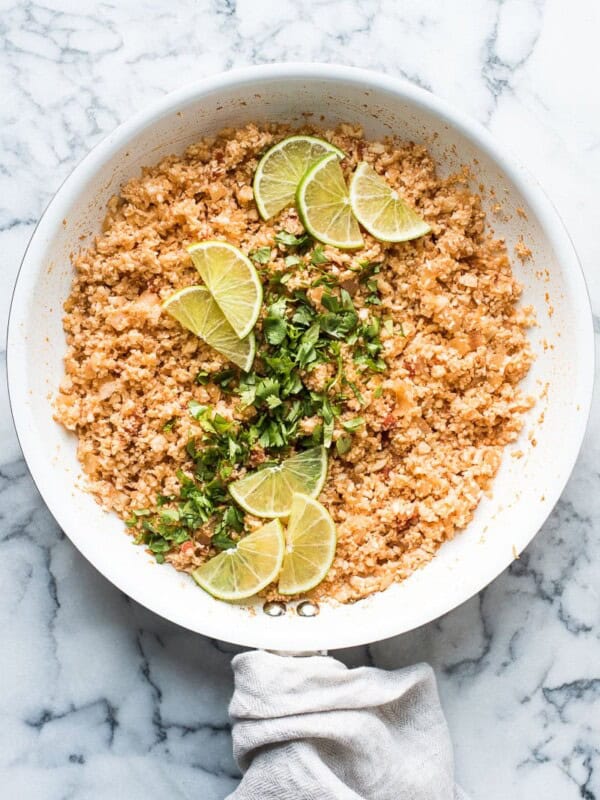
(525, 489)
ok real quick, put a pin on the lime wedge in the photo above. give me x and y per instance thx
(196, 310)
(324, 205)
(381, 210)
(310, 546)
(232, 280)
(281, 169)
(268, 492)
(246, 569)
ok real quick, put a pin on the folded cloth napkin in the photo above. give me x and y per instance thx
(311, 729)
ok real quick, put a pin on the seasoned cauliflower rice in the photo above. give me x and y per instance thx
(436, 419)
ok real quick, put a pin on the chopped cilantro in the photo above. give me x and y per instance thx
(287, 239)
(353, 425)
(203, 497)
(336, 352)
(262, 255)
(296, 335)
(374, 364)
(343, 444)
(326, 279)
(278, 279)
(373, 298)
(327, 413)
(303, 316)
(318, 256)
(307, 352)
(341, 318)
(368, 347)
(368, 269)
(267, 392)
(168, 426)
(196, 409)
(275, 325)
(356, 392)
(232, 519)
(170, 515)
(225, 379)
(135, 516)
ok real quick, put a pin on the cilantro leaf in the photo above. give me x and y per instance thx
(304, 316)
(356, 392)
(341, 318)
(197, 410)
(232, 519)
(343, 444)
(328, 423)
(221, 540)
(318, 256)
(275, 329)
(353, 425)
(307, 353)
(267, 389)
(262, 255)
(225, 379)
(275, 325)
(287, 239)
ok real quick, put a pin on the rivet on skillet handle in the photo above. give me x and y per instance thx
(307, 609)
(274, 609)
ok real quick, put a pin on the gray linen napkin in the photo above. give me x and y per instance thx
(312, 729)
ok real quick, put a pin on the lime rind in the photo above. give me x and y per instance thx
(245, 570)
(269, 492)
(232, 280)
(311, 540)
(195, 309)
(281, 169)
(324, 205)
(380, 210)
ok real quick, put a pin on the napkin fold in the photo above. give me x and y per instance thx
(309, 728)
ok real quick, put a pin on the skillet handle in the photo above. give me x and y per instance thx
(298, 653)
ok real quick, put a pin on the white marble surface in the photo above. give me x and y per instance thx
(101, 699)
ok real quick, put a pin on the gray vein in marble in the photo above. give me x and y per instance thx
(500, 72)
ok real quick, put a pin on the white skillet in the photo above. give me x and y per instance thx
(525, 489)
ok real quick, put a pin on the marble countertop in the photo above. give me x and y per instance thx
(102, 699)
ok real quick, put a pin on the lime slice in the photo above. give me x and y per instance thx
(246, 569)
(324, 205)
(310, 546)
(381, 210)
(232, 280)
(196, 310)
(281, 169)
(269, 491)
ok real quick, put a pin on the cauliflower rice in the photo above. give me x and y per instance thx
(436, 420)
